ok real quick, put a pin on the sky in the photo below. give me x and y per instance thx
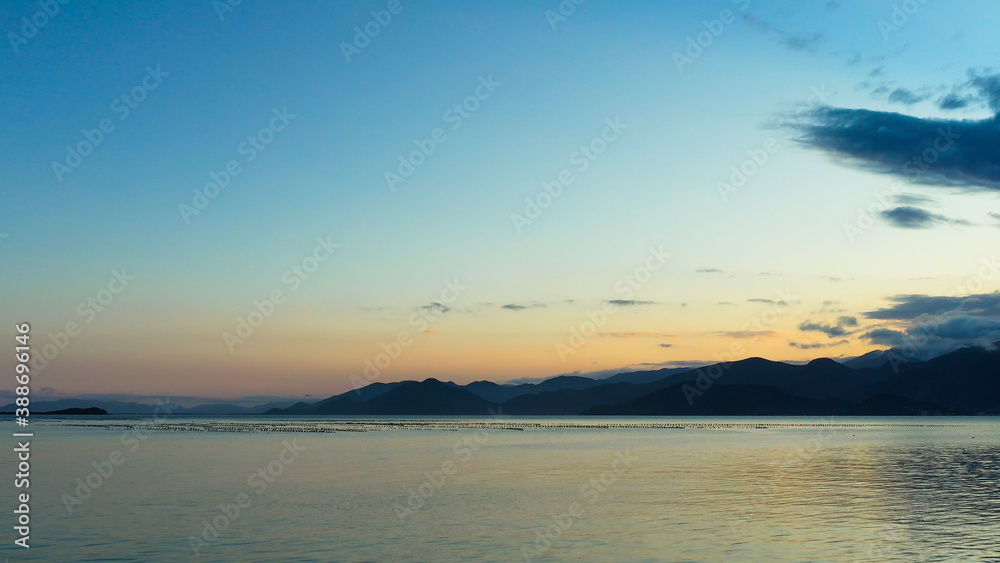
(259, 200)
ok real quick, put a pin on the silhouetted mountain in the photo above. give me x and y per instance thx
(966, 379)
(113, 407)
(406, 398)
(883, 405)
(819, 379)
(741, 400)
(872, 359)
(89, 411)
(575, 401)
(640, 377)
(122, 407)
(502, 393)
(764, 400)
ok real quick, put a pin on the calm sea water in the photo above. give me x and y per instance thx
(907, 489)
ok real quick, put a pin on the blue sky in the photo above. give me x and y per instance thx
(323, 175)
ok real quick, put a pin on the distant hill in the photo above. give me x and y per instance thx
(75, 411)
(428, 397)
(966, 381)
(872, 359)
(124, 407)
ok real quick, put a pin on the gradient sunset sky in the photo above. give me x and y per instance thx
(840, 96)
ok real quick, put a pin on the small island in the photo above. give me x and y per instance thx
(73, 411)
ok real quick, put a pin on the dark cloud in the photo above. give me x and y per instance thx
(436, 308)
(630, 302)
(666, 345)
(931, 325)
(941, 152)
(847, 321)
(911, 199)
(906, 97)
(988, 88)
(829, 330)
(908, 217)
(726, 303)
(885, 337)
(906, 307)
(708, 271)
(953, 101)
(968, 328)
(839, 329)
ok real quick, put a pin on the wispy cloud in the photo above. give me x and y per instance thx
(630, 302)
(813, 345)
(635, 334)
(517, 307)
(746, 333)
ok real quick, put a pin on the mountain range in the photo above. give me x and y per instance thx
(966, 381)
